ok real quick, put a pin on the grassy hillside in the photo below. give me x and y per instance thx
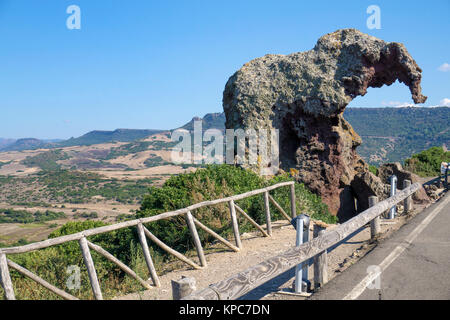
(428, 162)
(209, 121)
(6, 142)
(90, 138)
(119, 135)
(388, 134)
(46, 160)
(23, 144)
(66, 186)
(135, 155)
(219, 181)
(394, 134)
(177, 192)
(22, 216)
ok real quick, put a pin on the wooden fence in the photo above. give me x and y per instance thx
(245, 281)
(144, 233)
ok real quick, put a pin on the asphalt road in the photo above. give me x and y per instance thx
(414, 263)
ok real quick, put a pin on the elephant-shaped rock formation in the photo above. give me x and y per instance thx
(304, 95)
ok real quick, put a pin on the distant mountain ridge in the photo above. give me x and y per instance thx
(209, 121)
(99, 136)
(394, 134)
(24, 144)
(90, 138)
(6, 142)
(388, 134)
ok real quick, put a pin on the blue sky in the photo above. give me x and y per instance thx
(156, 64)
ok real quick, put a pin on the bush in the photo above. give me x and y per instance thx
(214, 182)
(91, 215)
(428, 162)
(373, 169)
(23, 216)
(51, 263)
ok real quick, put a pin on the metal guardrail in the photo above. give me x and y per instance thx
(143, 234)
(245, 281)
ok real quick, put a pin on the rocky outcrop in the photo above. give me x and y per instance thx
(304, 95)
(387, 170)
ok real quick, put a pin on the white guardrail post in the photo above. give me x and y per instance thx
(247, 280)
(393, 211)
(445, 167)
(301, 224)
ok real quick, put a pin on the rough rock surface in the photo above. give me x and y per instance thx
(304, 95)
(387, 170)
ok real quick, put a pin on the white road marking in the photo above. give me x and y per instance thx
(360, 287)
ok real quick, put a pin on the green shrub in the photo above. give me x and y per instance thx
(214, 182)
(4, 163)
(23, 216)
(77, 187)
(428, 162)
(51, 263)
(373, 169)
(47, 160)
(91, 215)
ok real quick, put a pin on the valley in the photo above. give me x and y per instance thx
(104, 175)
(105, 181)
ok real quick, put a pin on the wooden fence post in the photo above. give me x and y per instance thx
(168, 249)
(253, 222)
(147, 256)
(234, 224)
(320, 261)
(197, 242)
(293, 204)
(279, 208)
(119, 263)
(215, 235)
(41, 281)
(267, 210)
(91, 269)
(243, 282)
(6, 279)
(375, 227)
(183, 287)
(407, 203)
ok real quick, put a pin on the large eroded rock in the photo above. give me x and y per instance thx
(304, 95)
(388, 169)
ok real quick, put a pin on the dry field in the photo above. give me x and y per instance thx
(145, 162)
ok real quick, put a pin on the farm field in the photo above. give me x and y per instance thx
(104, 182)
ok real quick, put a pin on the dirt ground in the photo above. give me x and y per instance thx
(14, 167)
(107, 212)
(12, 232)
(161, 172)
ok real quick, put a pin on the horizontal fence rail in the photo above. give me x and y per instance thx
(144, 234)
(245, 281)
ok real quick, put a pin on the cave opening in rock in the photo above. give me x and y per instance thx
(393, 96)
